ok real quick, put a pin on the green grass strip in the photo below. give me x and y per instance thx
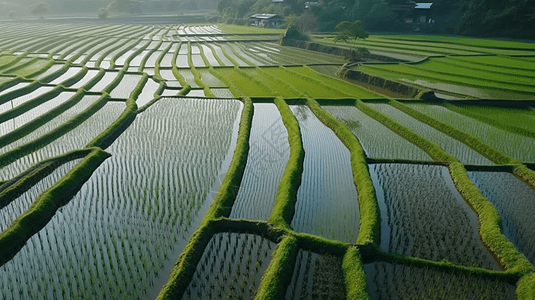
(11, 62)
(284, 208)
(47, 66)
(444, 266)
(94, 80)
(370, 222)
(24, 107)
(471, 141)
(232, 60)
(123, 51)
(490, 121)
(432, 149)
(13, 70)
(114, 83)
(139, 87)
(15, 187)
(213, 52)
(76, 77)
(526, 174)
(16, 153)
(227, 191)
(157, 74)
(58, 73)
(45, 206)
(108, 136)
(226, 80)
(526, 287)
(489, 222)
(279, 273)
(29, 127)
(355, 279)
(241, 57)
(133, 55)
(96, 51)
(149, 54)
(204, 59)
(19, 92)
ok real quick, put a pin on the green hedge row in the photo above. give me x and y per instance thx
(133, 55)
(120, 53)
(16, 153)
(50, 63)
(45, 206)
(284, 208)
(20, 66)
(369, 230)
(159, 60)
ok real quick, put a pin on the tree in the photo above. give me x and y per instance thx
(119, 6)
(102, 13)
(349, 30)
(40, 8)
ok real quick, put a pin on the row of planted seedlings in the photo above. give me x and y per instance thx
(515, 264)
(74, 122)
(244, 247)
(29, 227)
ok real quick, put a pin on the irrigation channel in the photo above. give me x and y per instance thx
(199, 173)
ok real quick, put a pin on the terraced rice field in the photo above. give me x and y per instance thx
(209, 162)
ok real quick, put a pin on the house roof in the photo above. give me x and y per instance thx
(423, 6)
(277, 1)
(265, 16)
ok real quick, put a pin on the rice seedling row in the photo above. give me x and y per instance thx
(18, 206)
(327, 197)
(218, 52)
(376, 140)
(423, 215)
(231, 267)
(148, 93)
(388, 281)
(14, 123)
(74, 139)
(227, 51)
(108, 78)
(125, 87)
(123, 227)
(514, 201)
(317, 277)
(15, 102)
(268, 154)
(91, 74)
(517, 146)
(452, 146)
(71, 72)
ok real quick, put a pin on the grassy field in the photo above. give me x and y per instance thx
(208, 161)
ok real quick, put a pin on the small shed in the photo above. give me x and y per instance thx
(266, 20)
